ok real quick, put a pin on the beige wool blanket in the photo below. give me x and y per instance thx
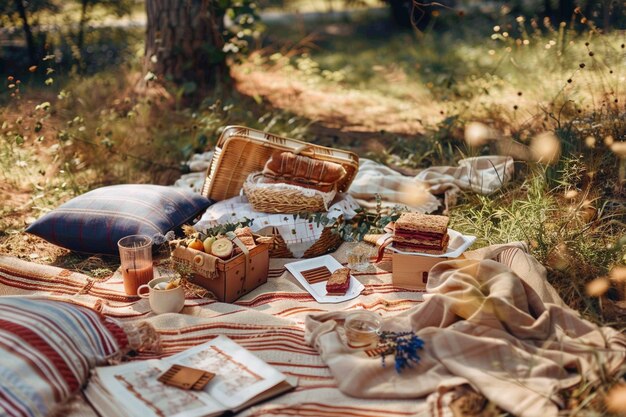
(498, 327)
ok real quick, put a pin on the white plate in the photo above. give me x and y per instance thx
(318, 290)
(458, 244)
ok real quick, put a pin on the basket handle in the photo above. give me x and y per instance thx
(303, 148)
(246, 252)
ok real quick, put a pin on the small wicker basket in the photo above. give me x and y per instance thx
(328, 242)
(269, 197)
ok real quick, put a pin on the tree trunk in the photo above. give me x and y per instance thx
(30, 40)
(566, 10)
(184, 43)
(606, 14)
(80, 42)
(547, 9)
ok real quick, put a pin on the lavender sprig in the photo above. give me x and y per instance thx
(404, 347)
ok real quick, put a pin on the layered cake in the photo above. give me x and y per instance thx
(339, 282)
(425, 233)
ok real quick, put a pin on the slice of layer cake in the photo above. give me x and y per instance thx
(339, 282)
(425, 233)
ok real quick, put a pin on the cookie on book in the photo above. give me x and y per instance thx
(339, 282)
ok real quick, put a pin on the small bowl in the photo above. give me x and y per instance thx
(362, 329)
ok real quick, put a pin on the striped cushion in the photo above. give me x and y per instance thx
(46, 351)
(95, 221)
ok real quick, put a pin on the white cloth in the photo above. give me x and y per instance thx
(484, 175)
(299, 234)
(481, 174)
(198, 165)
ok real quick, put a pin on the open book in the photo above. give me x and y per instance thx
(241, 380)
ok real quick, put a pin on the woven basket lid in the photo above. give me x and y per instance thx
(241, 151)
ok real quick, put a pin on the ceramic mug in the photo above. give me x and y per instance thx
(163, 301)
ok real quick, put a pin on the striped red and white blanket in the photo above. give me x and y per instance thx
(268, 321)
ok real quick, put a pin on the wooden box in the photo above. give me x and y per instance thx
(411, 271)
(235, 277)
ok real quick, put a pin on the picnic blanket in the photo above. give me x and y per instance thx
(506, 318)
(505, 334)
(269, 321)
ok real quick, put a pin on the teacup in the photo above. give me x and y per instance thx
(362, 329)
(162, 300)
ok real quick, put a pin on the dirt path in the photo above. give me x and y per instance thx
(346, 110)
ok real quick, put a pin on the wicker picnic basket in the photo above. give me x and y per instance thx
(241, 151)
(284, 198)
(327, 242)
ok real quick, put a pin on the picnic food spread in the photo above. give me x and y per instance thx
(231, 261)
(416, 232)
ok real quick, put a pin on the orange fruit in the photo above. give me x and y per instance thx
(197, 245)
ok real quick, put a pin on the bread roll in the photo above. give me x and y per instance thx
(289, 168)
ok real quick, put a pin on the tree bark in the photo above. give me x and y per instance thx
(566, 10)
(84, 11)
(184, 43)
(547, 9)
(30, 40)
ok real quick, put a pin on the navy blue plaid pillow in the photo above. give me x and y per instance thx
(95, 221)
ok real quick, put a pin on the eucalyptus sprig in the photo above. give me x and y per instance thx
(222, 229)
(364, 222)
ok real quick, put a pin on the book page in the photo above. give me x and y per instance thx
(134, 387)
(240, 375)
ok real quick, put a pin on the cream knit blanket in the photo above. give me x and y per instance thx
(498, 327)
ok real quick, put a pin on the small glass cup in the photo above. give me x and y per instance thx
(359, 257)
(362, 329)
(136, 259)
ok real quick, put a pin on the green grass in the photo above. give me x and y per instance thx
(465, 71)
